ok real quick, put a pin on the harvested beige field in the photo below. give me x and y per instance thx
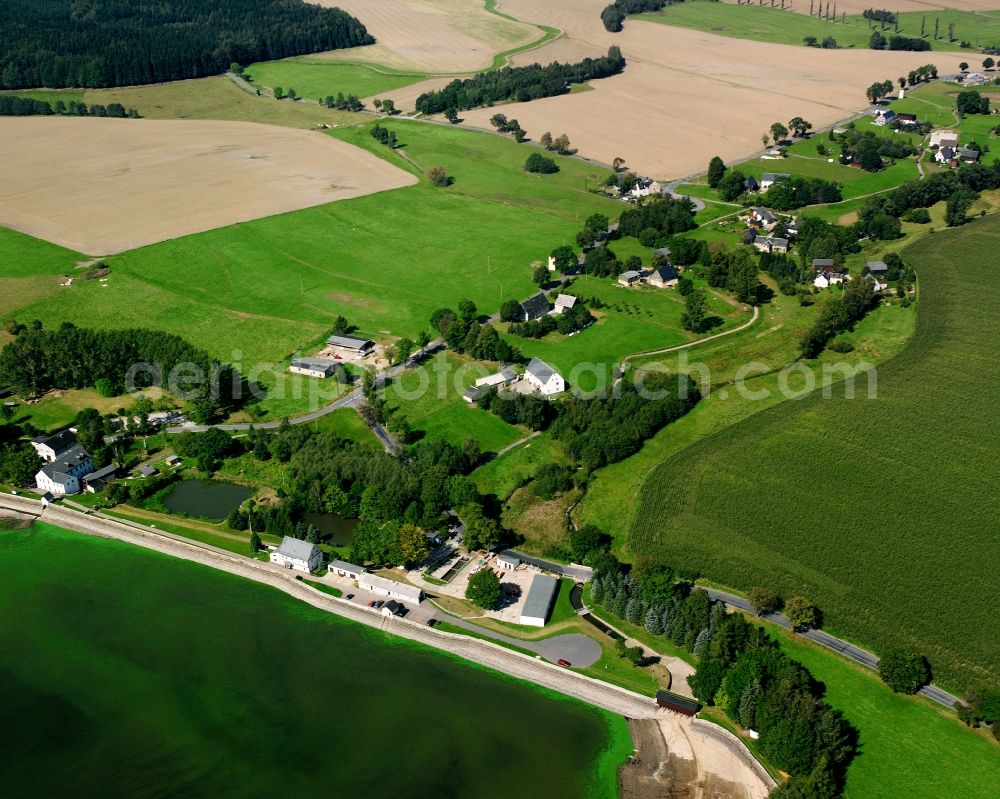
(686, 95)
(102, 186)
(440, 36)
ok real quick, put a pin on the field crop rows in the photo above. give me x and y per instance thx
(840, 500)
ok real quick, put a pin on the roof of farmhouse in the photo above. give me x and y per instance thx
(294, 548)
(539, 369)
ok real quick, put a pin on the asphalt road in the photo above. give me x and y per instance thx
(850, 651)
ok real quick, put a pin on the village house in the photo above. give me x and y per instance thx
(300, 556)
(172, 461)
(944, 155)
(771, 244)
(389, 588)
(350, 346)
(313, 367)
(944, 138)
(535, 307)
(750, 184)
(146, 471)
(563, 303)
(967, 156)
(51, 447)
(508, 560)
(829, 278)
(95, 481)
(883, 116)
(544, 378)
(761, 218)
(504, 377)
(663, 277)
(878, 280)
(394, 608)
(661, 254)
(63, 474)
(471, 395)
(629, 278)
(906, 119)
(768, 179)
(341, 568)
(878, 267)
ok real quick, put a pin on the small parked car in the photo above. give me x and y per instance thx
(349, 596)
(371, 603)
(379, 603)
(564, 663)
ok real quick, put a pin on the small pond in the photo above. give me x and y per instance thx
(333, 528)
(207, 499)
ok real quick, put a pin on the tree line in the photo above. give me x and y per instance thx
(613, 16)
(519, 83)
(62, 43)
(741, 670)
(11, 105)
(69, 357)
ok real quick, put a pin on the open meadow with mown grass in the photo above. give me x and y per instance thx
(316, 78)
(838, 499)
(265, 288)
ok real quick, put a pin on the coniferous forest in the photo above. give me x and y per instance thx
(98, 43)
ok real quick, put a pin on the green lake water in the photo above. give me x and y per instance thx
(128, 673)
(208, 499)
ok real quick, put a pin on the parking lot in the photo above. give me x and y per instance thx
(514, 582)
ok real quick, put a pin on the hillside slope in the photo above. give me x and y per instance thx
(883, 511)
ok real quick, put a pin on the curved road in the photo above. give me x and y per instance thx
(849, 651)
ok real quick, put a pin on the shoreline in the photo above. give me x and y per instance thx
(483, 654)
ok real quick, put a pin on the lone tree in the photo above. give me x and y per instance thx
(989, 63)
(695, 311)
(564, 257)
(764, 600)
(484, 589)
(716, 171)
(905, 671)
(540, 277)
(618, 163)
(802, 613)
(439, 177)
(546, 140)
(255, 543)
(511, 311)
(778, 132)
(540, 164)
(451, 114)
(798, 126)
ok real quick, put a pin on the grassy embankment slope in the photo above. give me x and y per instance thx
(766, 24)
(841, 500)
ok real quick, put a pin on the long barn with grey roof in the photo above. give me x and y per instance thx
(538, 602)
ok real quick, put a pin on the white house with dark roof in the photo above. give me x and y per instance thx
(63, 475)
(300, 556)
(543, 377)
(883, 116)
(771, 244)
(535, 307)
(51, 447)
(944, 154)
(878, 280)
(663, 277)
(761, 217)
(824, 280)
(768, 179)
(313, 367)
(944, 138)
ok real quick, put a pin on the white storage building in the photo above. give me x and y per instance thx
(390, 588)
(538, 602)
(300, 556)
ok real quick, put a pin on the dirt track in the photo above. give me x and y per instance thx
(101, 186)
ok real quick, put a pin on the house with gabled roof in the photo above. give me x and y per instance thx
(563, 303)
(663, 277)
(544, 378)
(768, 179)
(771, 244)
(762, 218)
(629, 278)
(351, 345)
(535, 307)
(63, 475)
(51, 447)
(300, 556)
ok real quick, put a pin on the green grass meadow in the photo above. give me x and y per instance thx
(766, 24)
(315, 78)
(839, 499)
(257, 291)
(908, 747)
